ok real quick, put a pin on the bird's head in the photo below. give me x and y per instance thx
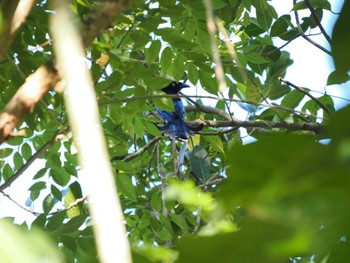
(174, 87)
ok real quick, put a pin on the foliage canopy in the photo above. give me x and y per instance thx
(212, 199)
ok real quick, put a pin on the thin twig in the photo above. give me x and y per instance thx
(314, 15)
(302, 33)
(19, 205)
(70, 206)
(36, 155)
(140, 151)
(307, 94)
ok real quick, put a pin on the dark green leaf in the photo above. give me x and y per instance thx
(69, 242)
(56, 221)
(126, 187)
(40, 173)
(341, 40)
(156, 201)
(337, 77)
(38, 186)
(177, 219)
(153, 51)
(7, 172)
(26, 151)
(324, 4)
(200, 162)
(166, 59)
(60, 176)
(56, 193)
(18, 160)
(255, 58)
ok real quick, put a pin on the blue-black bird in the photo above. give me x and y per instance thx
(174, 121)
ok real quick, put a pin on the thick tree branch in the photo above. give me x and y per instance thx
(46, 77)
(15, 14)
(25, 99)
(290, 126)
(80, 100)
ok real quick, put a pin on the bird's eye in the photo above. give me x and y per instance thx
(173, 84)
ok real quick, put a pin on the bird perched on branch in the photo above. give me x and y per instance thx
(174, 121)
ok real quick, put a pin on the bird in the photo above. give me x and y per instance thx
(174, 121)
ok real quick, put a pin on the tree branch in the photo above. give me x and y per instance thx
(290, 126)
(15, 176)
(15, 14)
(314, 15)
(140, 151)
(25, 99)
(307, 94)
(46, 76)
(80, 100)
(302, 33)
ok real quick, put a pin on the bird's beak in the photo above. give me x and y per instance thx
(183, 85)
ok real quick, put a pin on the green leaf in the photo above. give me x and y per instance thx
(200, 162)
(138, 126)
(337, 77)
(153, 51)
(26, 151)
(290, 101)
(208, 82)
(217, 4)
(132, 220)
(264, 19)
(144, 221)
(5, 152)
(156, 202)
(126, 187)
(56, 192)
(192, 73)
(17, 160)
(324, 4)
(40, 173)
(48, 204)
(56, 221)
(255, 58)
(69, 242)
(166, 59)
(177, 219)
(7, 172)
(164, 234)
(69, 199)
(341, 40)
(140, 38)
(166, 223)
(88, 245)
(215, 143)
(60, 176)
(151, 128)
(38, 186)
(279, 27)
